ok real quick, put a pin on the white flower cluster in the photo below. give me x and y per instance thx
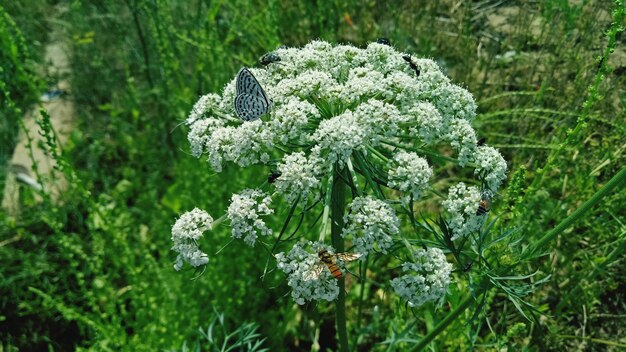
(245, 211)
(330, 101)
(455, 102)
(290, 118)
(202, 107)
(340, 135)
(339, 98)
(186, 232)
(426, 122)
(462, 138)
(298, 176)
(331, 104)
(201, 134)
(380, 118)
(308, 83)
(307, 281)
(370, 224)
(491, 166)
(410, 174)
(362, 83)
(244, 145)
(427, 279)
(462, 204)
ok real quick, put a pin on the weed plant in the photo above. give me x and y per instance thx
(94, 270)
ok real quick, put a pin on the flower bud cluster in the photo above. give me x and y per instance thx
(370, 224)
(245, 211)
(186, 232)
(306, 275)
(426, 278)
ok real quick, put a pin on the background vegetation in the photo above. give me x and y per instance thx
(96, 271)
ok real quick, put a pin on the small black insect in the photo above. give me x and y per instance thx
(269, 58)
(384, 41)
(413, 65)
(481, 141)
(273, 176)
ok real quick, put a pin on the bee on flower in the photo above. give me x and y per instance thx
(329, 260)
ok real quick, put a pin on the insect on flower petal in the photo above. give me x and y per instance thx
(269, 58)
(413, 65)
(273, 176)
(251, 101)
(384, 41)
(328, 259)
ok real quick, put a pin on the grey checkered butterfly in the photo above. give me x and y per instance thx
(251, 101)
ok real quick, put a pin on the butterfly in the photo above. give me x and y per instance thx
(251, 101)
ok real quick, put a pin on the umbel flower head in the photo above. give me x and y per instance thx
(461, 204)
(331, 101)
(371, 222)
(244, 213)
(426, 279)
(304, 276)
(186, 232)
(371, 115)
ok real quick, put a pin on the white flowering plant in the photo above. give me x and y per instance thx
(360, 138)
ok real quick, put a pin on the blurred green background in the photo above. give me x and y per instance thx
(93, 270)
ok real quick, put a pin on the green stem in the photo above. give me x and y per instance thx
(600, 341)
(338, 199)
(610, 259)
(327, 201)
(355, 180)
(616, 181)
(380, 155)
(446, 321)
(361, 293)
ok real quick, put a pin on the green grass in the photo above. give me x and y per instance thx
(96, 272)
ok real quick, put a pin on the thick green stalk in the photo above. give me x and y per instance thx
(616, 181)
(338, 200)
(466, 303)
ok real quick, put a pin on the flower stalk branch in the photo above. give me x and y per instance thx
(338, 200)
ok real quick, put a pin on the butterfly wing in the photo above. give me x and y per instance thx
(242, 106)
(244, 81)
(251, 101)
(250, 107)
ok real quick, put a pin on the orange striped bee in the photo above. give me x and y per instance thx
(328, 260)
(483, 207)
